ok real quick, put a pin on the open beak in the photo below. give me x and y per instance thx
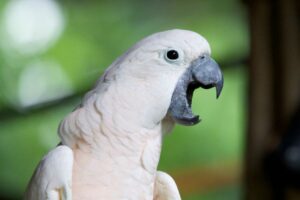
(203, 72)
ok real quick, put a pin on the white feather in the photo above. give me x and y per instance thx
(165, 187)
(52, 179)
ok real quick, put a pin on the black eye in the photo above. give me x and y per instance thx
(172, 55)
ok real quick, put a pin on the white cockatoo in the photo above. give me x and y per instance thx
(111, 143)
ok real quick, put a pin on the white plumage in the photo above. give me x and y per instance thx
(53, 177)
(111, 143)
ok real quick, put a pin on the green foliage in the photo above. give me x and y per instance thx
(226, 193)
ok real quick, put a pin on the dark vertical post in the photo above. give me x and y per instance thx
(274, 84)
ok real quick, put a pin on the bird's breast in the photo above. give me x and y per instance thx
(110, 178)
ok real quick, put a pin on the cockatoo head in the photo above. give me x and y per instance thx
(157, 77)
(150, 84)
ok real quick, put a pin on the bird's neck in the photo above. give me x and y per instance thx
(124, 149)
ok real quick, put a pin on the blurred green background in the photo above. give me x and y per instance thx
(52, 52)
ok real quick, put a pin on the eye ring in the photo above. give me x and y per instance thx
(172, 55)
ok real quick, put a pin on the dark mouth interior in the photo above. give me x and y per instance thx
(190, 91)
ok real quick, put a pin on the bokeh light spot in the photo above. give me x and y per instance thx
(43, 81)
(32, 26)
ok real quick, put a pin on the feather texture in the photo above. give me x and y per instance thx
(52, 179)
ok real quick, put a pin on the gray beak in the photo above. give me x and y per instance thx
(203, 72)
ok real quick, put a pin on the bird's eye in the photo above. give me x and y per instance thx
(172, 55)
